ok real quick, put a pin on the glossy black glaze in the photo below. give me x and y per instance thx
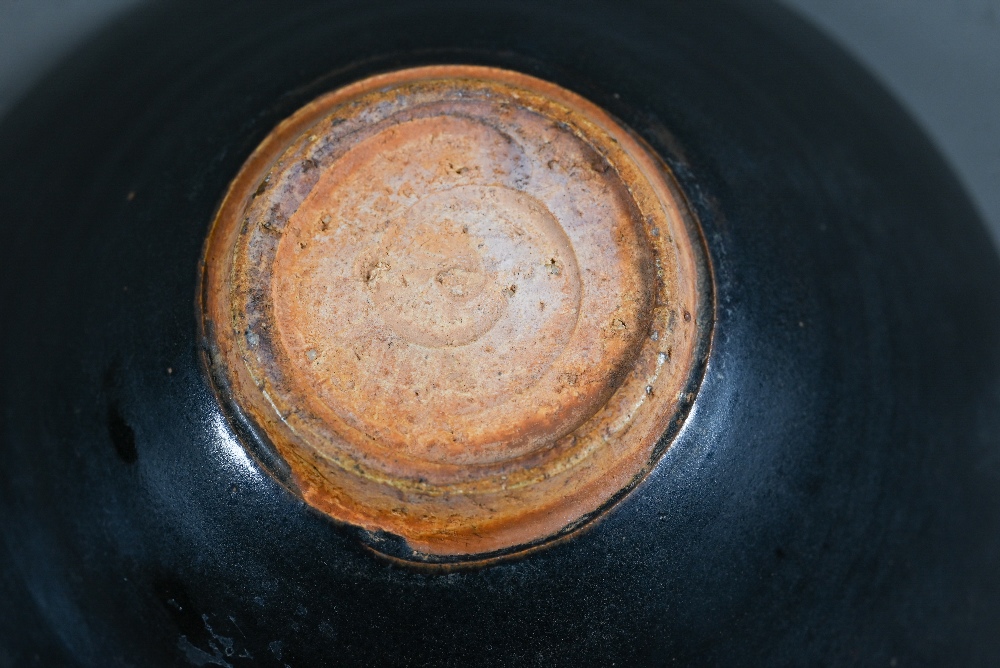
(834, 497)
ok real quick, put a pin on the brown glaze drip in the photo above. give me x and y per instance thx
(461, 302)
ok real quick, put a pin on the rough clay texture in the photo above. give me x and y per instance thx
(463, 304)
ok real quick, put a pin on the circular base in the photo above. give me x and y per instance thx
(462, 303)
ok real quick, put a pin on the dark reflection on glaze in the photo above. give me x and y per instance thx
(122, 435)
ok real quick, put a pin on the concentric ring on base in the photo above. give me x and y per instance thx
(464, 305)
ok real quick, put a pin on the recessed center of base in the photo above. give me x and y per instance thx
(444, 272)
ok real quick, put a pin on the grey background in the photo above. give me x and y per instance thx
(941, 58)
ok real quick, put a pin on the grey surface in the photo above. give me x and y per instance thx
(941, 58)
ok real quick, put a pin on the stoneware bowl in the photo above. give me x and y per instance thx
(513, 333)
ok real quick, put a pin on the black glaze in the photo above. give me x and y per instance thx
(834, 498)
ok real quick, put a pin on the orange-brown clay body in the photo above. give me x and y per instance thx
(464, 304)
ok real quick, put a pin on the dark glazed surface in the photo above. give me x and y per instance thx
(834, 497)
